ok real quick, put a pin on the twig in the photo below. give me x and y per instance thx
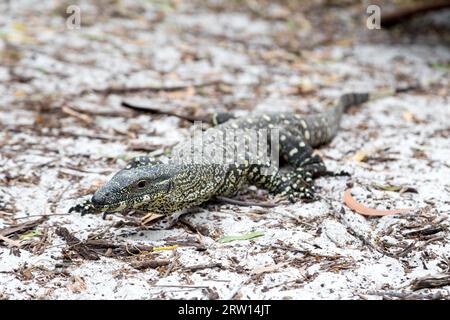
(401, 14)
(179, 286)
(425, 231)
(100, 171)
(119, 249)
(203, 266)
(21, 227)
(247, 203)
(9, 241)
(407, 250)
(174, 262)
(302, 251)
(149, 264)
(123, 90)
(236, 290)
(42, 215)
(206, 118)
(38, 249)
(80, 116)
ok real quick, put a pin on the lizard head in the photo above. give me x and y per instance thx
(152, 187)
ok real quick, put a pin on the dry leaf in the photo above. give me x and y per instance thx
(306, 86)
(150, 217)
(246, 236)
(271, 268)
(408, 116)
(361, 209)
(76, 114)
(360, 156)
(10, 242)
(78, 285)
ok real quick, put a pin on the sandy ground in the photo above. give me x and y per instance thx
(63, 133)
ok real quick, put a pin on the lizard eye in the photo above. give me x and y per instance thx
(141, 184)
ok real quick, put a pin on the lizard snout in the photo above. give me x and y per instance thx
(100, 198)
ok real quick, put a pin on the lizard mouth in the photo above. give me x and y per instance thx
(120, 205)
(110, 206)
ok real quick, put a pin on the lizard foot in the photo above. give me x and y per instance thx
(84, 208)
(171, 220)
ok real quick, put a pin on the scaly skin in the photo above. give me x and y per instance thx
(149, 185)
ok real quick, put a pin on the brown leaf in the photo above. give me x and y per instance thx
(268, 269)
(361, 209)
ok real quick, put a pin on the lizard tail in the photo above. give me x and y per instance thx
(332, 118)
(352, 99)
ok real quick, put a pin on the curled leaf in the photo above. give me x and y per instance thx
(29, 235)
(361, 209)
(247, 236)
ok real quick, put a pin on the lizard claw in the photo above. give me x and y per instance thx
(84, 208)
(105, 214)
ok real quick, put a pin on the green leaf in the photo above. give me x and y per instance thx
(387, 187)
(246, 236)
(29, 235)
(400, 189)
(438, 65)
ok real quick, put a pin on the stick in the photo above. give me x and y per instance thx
(21, 227)
(9, 241)
(398, 16)
(203, 266)
(43, 215)
(122, 90)
(246, 203)
(179, 286)
(167, 113)
(149, 264)
(80, 116)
